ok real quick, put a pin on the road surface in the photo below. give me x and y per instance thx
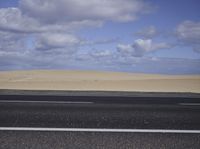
(29, 121)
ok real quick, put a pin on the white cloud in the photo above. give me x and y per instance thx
(12, 20)
(100, 41)
(148, 32)
(140, 47)
(125, 49)
(188, 32)
(100, 53)
(49, 41)
(11, 42)
(51, 11)
(66, 16)
(16, 28)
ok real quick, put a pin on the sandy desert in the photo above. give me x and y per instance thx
(98, 81)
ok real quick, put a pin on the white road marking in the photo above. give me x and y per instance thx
(50, 102)
(189, 104)
(100, 130)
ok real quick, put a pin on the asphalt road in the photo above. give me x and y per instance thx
(99, 115)
(85, 140)
(86, 112)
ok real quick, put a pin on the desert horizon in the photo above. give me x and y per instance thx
(97, 81)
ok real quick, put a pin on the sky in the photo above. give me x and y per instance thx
(140, 36)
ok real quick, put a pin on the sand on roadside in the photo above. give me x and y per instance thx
(98, 81)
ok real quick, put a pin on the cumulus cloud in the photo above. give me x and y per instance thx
(12, 20)
(100, 41)
(55, 41)
(125, 49)
(141, 46)
(100, 53)
(188, 32)
(77, 10)
(49, 41)
(148, 32)
(10, 42)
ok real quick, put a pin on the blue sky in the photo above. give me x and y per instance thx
(149, 36)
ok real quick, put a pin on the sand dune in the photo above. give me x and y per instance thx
(102, 81)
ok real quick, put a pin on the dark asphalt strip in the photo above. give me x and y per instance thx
(93, 140)
(115, 116)
(102, 99)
